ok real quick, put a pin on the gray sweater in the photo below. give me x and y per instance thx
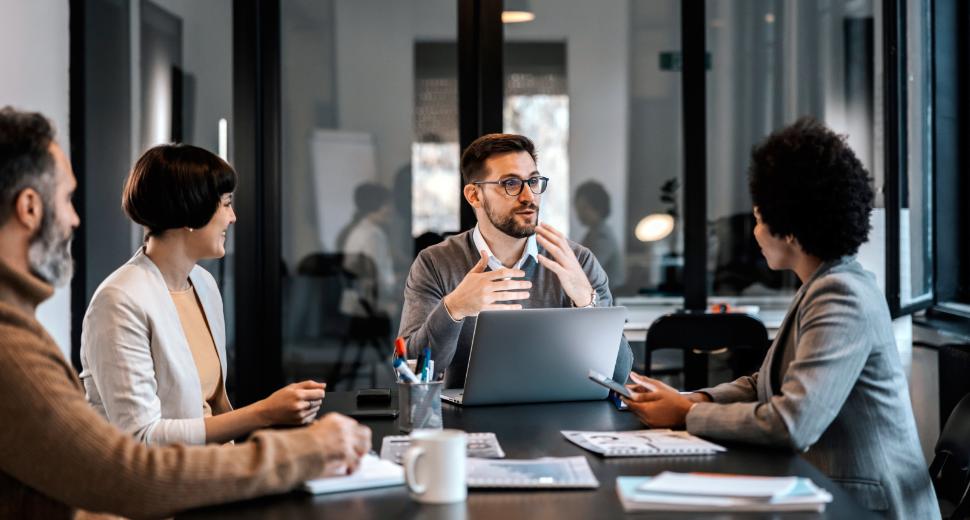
(440, 268)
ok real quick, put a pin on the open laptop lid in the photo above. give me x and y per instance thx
(542, 355)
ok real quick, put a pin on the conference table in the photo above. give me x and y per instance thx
(532, 431)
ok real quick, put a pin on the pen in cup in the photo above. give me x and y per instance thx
(402, 370)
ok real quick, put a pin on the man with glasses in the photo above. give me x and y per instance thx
(508, 261)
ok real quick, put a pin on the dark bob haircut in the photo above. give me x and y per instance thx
(174, 186)
(806, 182)
(473, 158)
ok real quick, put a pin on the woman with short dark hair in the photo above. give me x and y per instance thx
(831, 386)
(153, 344)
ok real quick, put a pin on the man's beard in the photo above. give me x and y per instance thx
(508, 224)
(49, 255)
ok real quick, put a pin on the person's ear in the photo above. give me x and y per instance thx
(29, 209)
(472, 195)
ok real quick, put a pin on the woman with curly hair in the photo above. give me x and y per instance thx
(831, 386)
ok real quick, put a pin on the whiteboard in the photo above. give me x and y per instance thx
(340, 161)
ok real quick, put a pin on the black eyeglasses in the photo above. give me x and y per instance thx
(513, 185)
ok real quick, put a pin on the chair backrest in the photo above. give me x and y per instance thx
(950, 464)
(707, 332)
(955, 438)
(321, 265)
(743, 335)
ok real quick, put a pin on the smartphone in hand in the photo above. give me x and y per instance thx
(602, 380)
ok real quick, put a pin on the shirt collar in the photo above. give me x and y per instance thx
(531, 249)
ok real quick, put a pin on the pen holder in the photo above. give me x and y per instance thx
(419, 405)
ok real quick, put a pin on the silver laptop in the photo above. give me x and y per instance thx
(540, 355)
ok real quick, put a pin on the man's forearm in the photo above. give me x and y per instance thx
(438, 331)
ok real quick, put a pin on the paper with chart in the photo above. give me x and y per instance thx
(642, 443)
(482, 445)
(547, 472)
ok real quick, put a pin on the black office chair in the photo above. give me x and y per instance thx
(699, 334)
(367, 329)
(950, 466)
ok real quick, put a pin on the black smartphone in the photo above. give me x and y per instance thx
(374, 396)
(386, 413)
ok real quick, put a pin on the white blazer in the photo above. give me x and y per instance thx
(137, 368)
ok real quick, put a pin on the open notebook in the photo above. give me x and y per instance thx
(373, 473)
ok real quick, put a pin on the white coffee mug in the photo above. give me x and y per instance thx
(434, 466)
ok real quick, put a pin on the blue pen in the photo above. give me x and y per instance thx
(425, 372)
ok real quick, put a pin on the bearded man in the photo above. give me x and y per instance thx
(508, 261)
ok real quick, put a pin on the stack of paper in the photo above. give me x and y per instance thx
(372, 473)
(708, 492)
(642, 443)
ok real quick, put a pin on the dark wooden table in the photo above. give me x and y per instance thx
(532, 431)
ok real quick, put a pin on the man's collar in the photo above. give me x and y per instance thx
(21, 289)
(531, 249)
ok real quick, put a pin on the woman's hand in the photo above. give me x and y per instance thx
(297, 403)
(657, 404)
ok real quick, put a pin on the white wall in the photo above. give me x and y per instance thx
(34, 50)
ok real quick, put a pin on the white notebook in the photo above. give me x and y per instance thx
(547, 472)
(720, 485)
(372, 473)
(642, 443)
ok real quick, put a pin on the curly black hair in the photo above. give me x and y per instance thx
(806, 182)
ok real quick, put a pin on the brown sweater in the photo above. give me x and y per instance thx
(57, 454)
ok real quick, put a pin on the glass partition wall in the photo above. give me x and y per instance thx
(363, 117)
(347, 117)
(370, 148)
(369, 118)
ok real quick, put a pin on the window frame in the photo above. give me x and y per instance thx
(895, 105)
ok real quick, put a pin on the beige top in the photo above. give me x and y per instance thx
(203, 348)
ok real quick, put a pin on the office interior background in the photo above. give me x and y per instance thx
(651, 105)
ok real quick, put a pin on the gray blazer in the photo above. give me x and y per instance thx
(832, 386)
(138, 370)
